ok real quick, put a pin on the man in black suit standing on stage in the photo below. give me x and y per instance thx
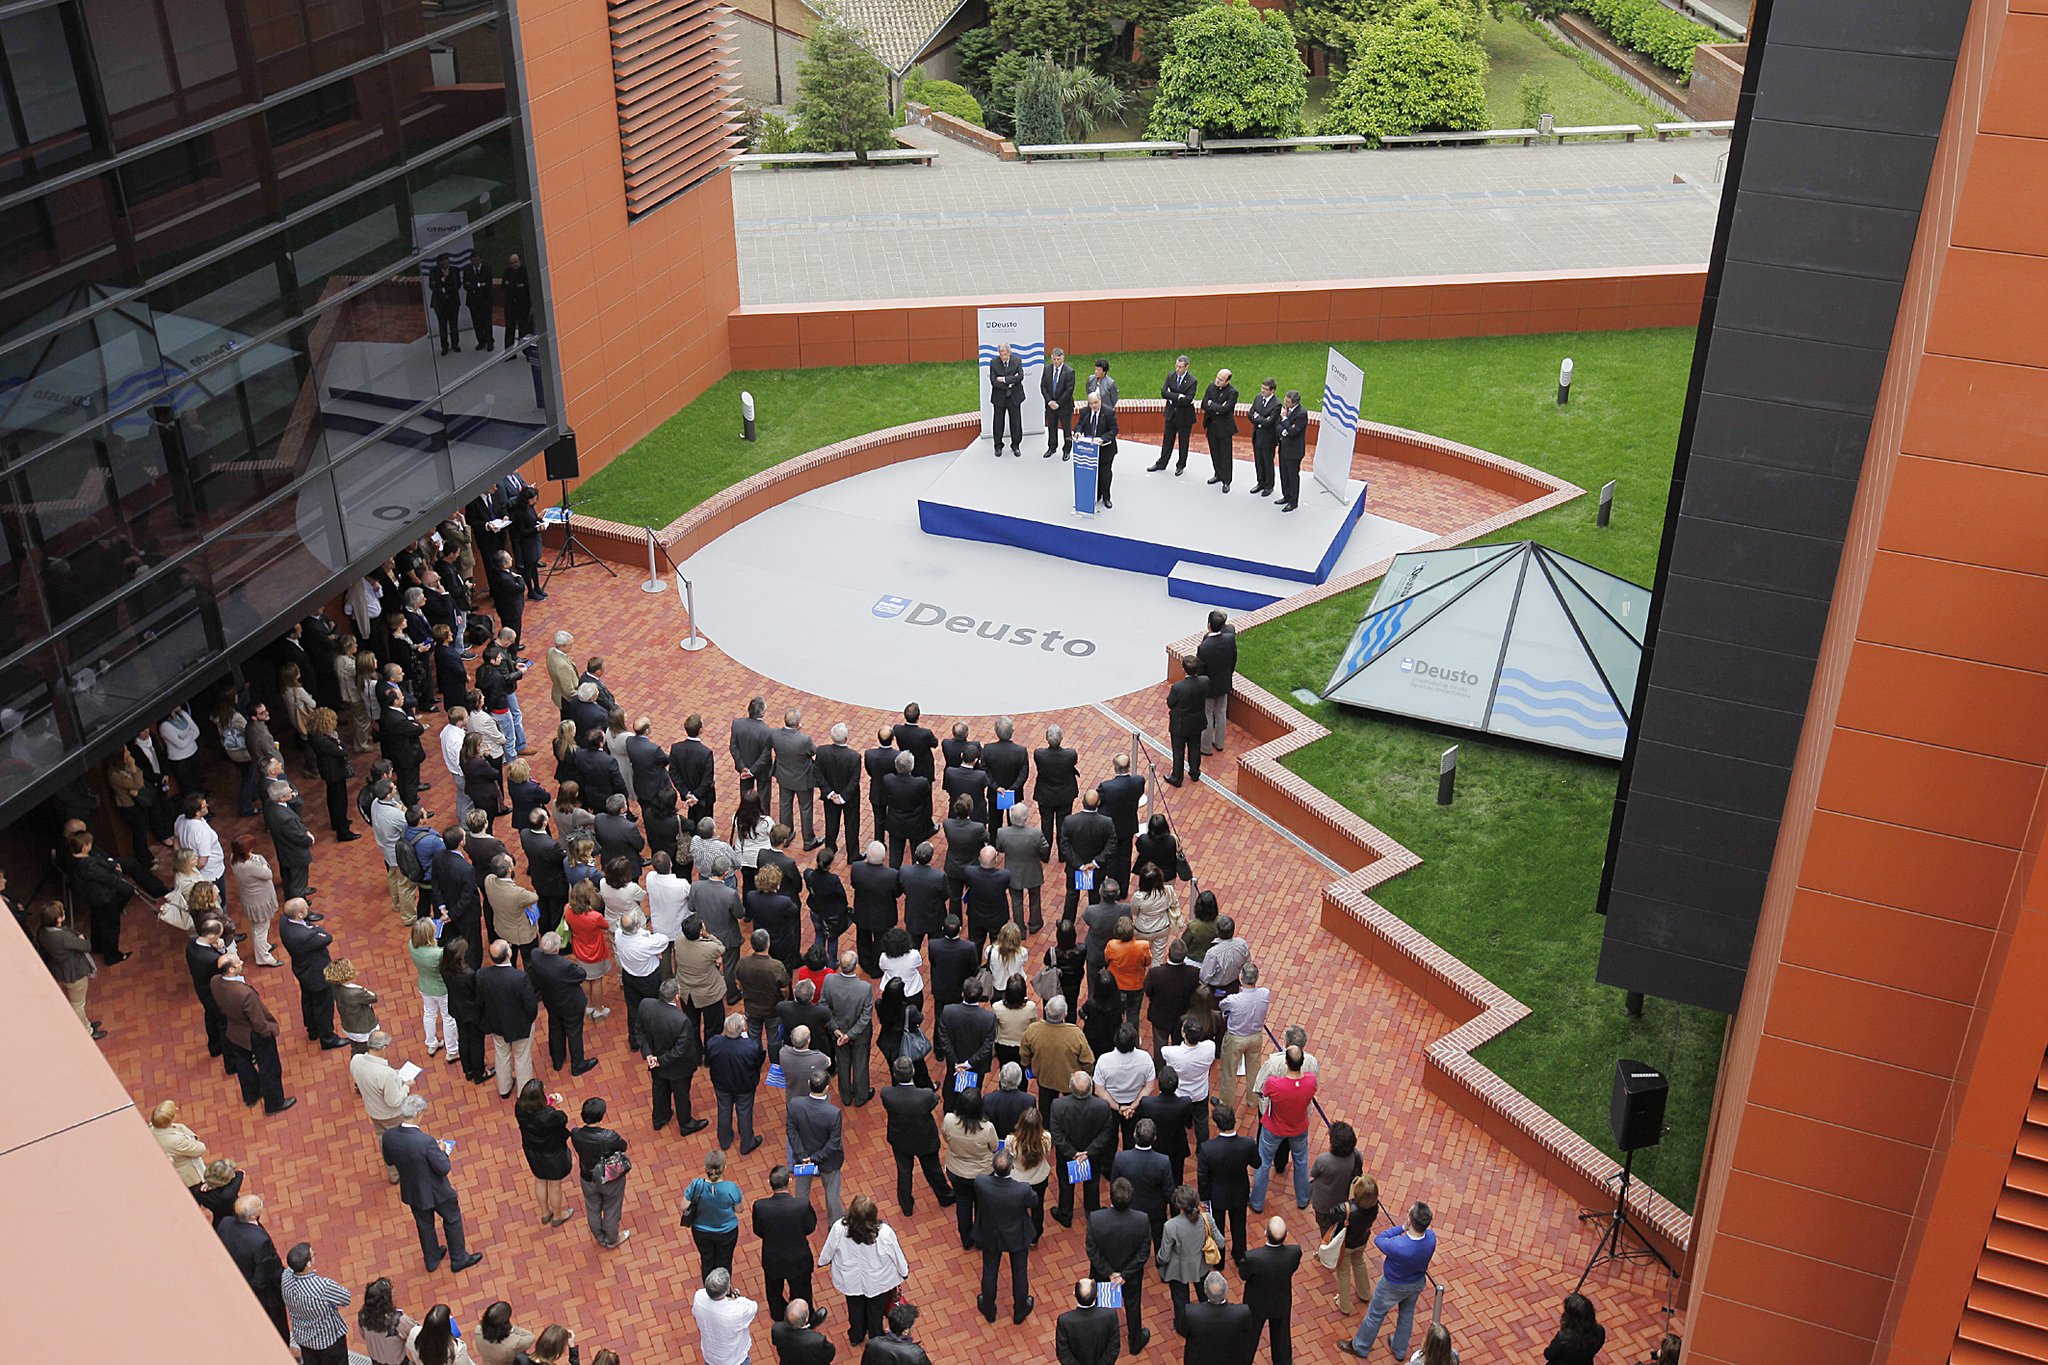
(1219, 420)
(1056, 387)
(1264, 415)
(1006, 397)
(1179, 393)
(1293, 449)
(1099, 421)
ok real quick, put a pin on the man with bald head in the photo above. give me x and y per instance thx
(796, 1337)
(987, 896)
(255, 1255)
(838, 769)
(1269, 1289)
(1083, 1128)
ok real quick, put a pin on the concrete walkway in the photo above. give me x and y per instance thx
(971, 225)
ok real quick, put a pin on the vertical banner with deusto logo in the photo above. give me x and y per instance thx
(1337, 433)
(1024, 329)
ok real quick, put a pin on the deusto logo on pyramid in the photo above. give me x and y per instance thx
(1423, 668)
(890, 607)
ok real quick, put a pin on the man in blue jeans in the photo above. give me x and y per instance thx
(1286, 1098)
(1402, 1274)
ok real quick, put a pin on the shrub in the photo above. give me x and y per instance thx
(1234, 71)
(1664, 36)
(1064, 103)
(944, 96)
(1409, 79)
(1534, 93)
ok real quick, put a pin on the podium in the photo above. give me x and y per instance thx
(1087, 455)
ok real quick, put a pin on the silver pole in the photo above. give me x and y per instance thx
(653, 583)
(693, 642)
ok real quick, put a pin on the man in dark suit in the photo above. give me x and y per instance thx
(1219, 423)
(398, 735)
(1120, 1242)
(734, 1061)
(1006, 399)
(691, 768)
(647, 760)
(595, 770)
(795, 1335)
(1179, 393)
(1150, 1175)
(478, 289)
(1085, 1334)
(966, 1038)
(544, 868)
(1171, 1116)
(98, 880)
(878, 763)
(1187, 716)
(987, 897)
(914, 1136)
(1223, 1176)
(907, 799)
(1121, 795)
(1086, 840)
(444, 291)
(307, 944)
(293, 840)
(1218, 656)
(796, 775)
(783, 1225)
(617, 835)
(838, 770)
(1008, 765)
(668, 1039)
(1264, 416)
(1098, 422)
(558, 982)
(1293, 438)
(751, 748)
(509, 1009)
(423, 1185)
(1058, 785)
(1002, 1220)
(1269, 1290)
(1083, 1124)
(255, 1255)
(1056, 387)
(816, 1131)
(1008, 1100)
(965, 838)
(518, 301)
(926, 893)
(249, 1037)
(913, 738)
(1219, 1332)
(950, 960)
(964, 777)
(876, 885)
(455, 889)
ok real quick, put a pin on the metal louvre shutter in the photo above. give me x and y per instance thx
(670, 60)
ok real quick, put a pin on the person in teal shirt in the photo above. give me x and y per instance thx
(711, 1211)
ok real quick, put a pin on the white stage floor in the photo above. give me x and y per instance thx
(840, 593)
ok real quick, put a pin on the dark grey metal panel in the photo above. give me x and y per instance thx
(1840, 109)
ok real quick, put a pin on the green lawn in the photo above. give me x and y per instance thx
(1577, 97)
(1511, 871)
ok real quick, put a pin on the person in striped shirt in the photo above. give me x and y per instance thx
(314, 1303)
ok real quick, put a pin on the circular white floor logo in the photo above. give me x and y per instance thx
(891, 607)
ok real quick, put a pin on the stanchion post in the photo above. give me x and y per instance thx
(693, 641)
(653, 583)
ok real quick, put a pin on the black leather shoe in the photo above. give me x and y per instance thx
(330, 1044)
(818, 1316)
(462, 1263)
(747, 1148)
(988, 1310)
(282, 1107)
(1155, 468)
(1212, 483)
(1066, 455)
(1144, 1339)
(1024, 1310)
(587, 1065)
(689, 1126)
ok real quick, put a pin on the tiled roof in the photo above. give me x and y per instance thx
(897, 31)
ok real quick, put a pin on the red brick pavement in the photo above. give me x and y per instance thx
(1512, 1245)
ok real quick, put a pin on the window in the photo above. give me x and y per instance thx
(43, 126)
(173, 168)
(329, 106)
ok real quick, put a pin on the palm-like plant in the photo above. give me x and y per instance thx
(1064, 103)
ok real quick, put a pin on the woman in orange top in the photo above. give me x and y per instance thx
(590, 942)
(1129, 958)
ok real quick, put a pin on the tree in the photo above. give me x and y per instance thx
(1410, 78)
(1342, 26)
(842, 99)
(1063, 103)
(943, 97)
(1234, 71)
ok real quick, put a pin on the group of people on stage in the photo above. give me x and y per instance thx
(1279, 426)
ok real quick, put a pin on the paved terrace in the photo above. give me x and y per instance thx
(973, 225)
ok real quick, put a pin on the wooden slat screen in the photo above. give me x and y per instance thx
(670, 65)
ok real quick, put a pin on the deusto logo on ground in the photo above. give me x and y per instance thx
(891, 607)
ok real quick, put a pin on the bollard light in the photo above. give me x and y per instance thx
(1606, 505)
(747, 414)
(1447, 776)
(1564, 382)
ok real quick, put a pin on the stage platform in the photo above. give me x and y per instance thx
(1230, 550)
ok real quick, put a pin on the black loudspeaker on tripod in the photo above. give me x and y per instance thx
(1636, 1118)
(563, 464)
(562, 461)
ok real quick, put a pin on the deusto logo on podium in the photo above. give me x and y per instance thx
(893, 608)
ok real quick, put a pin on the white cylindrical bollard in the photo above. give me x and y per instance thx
(653, 583)
(746, 415)
(1564, 382)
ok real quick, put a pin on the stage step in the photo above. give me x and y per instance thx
(1193, 581)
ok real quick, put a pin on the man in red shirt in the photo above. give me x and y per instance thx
(1286, 1097)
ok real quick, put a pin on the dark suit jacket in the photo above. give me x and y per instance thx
(1008, 765)
(307, 944)
(964, 839)
(875, 889)
(691, 769)
(288, 832)
(255, 1255)
(1179, 392)
(398, 734)
(1002, 1210)
(1269, 1279)
(1218, 656)
(784, 1224)
(669, 1036)
(815, 1132)
(1083, 1125)
(508, 1001)
(597, 773)
(734, 1063)
(973, 784)
(907, 803)
(454, 878)
(558, 982)
(1086, 1336)
(892, 1349)
(1173, 1116)
(1151, 1176)
(1006, 380)
(967, 1036)
(618, 836)
(1223, 1170)
(879, 762)
(1056, 384)
(1293, 432)
(1119, 1243)
(1219, 1334)
(988, 897)
(1085, 837)
(1265, 419)
(1004, 1106)
(1099, 424)
(544, 863)
(949, 962)
(912, 1129)
(839, 771)
(1120, 803)
(649, 765)
(1057, 783)
(1219, 409)
(924, 898)
(1186, 706)
(799, 1345)
(421, 1165)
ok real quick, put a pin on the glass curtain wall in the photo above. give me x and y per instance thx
(259, 315)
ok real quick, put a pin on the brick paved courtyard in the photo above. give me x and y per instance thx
(1511, 1248)
(974, 225)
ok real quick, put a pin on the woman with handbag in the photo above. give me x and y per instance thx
(1189, 1248)
(602, 1163)
(711, 1211)
(867, 1267)
(544, 1140)
(1350, 1237)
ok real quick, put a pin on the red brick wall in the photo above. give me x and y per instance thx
(1716, 80)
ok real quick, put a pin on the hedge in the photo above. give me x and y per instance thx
(946, 97)
(1645, 26)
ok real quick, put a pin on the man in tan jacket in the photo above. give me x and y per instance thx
(700, 971)
(1053, 1050)
(509, 902)
(563, 679)
(382, 1089)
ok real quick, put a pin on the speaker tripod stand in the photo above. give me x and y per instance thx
(1614, 1245)
(574, 553)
